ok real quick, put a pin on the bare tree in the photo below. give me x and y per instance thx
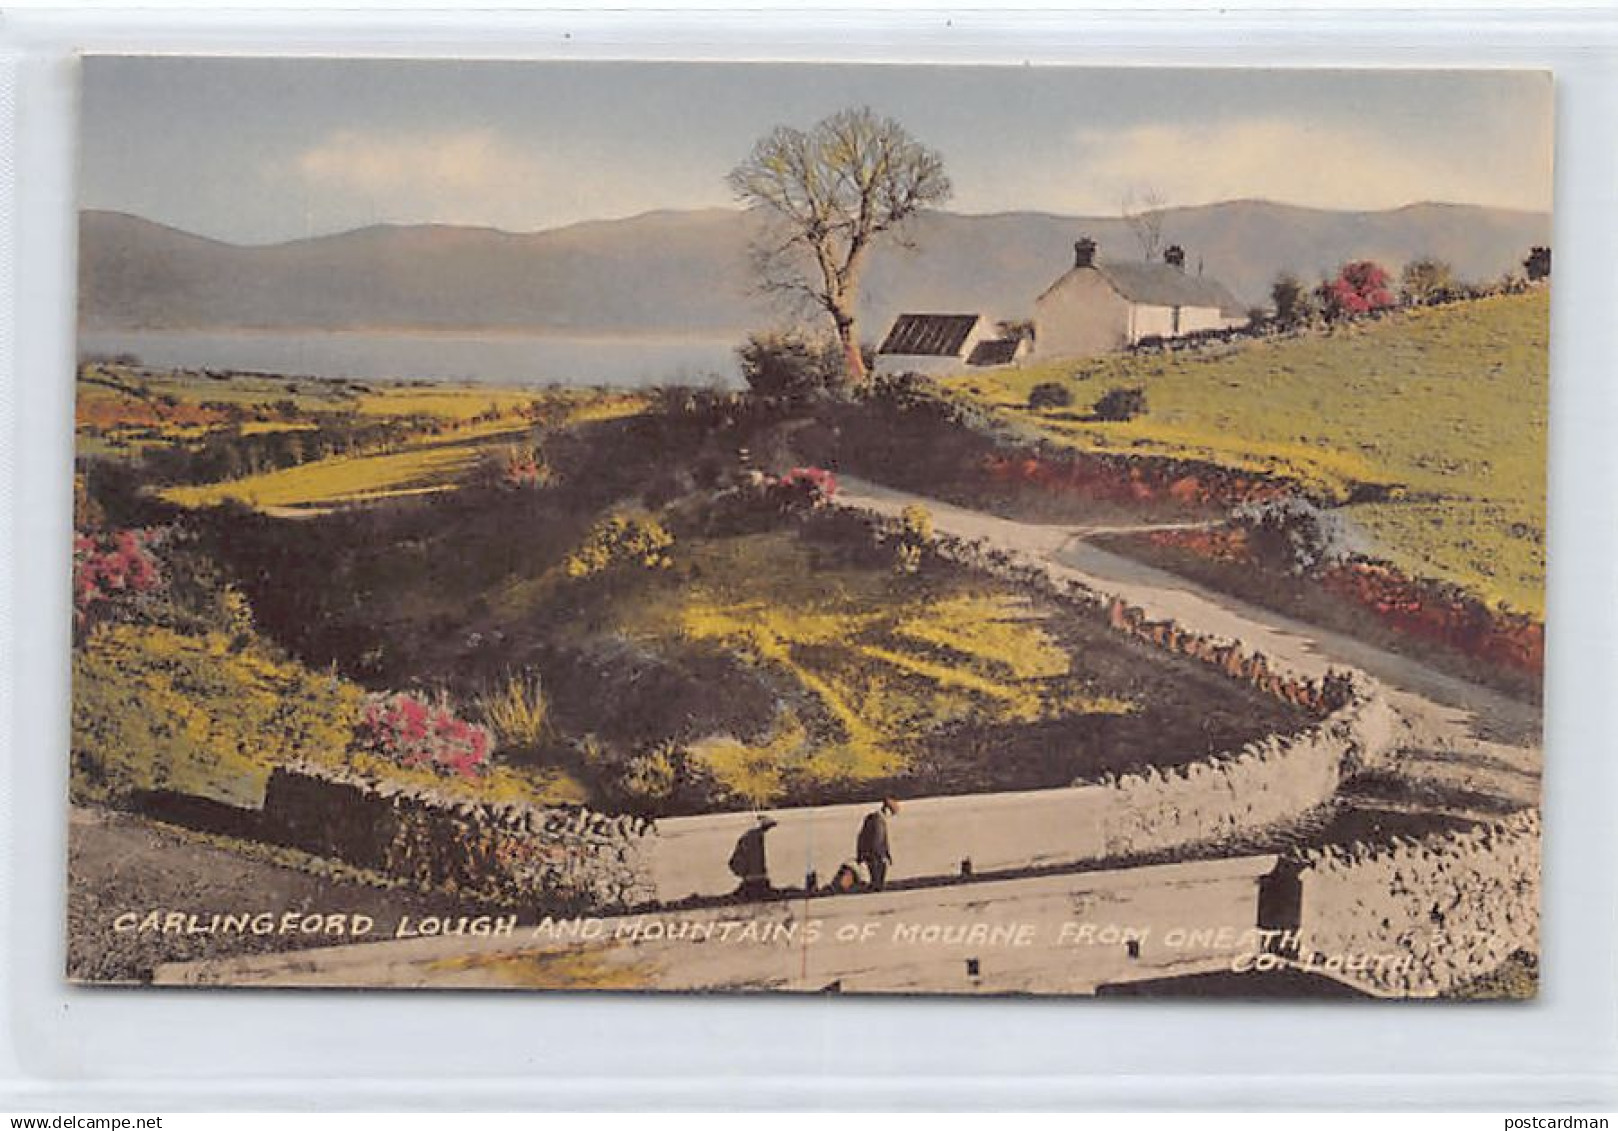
(828, 194)
(1142, 210)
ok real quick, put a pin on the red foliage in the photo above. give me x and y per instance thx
(101, 411)
(1442, 613)
(805, 486)
(1215, 543)
(1424, 609)
(822, 480)
(522, 470)
(1360, 287)
(412, 732)
(108, 567)
(1132, 480)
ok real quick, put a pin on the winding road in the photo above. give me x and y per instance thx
(1473, 749)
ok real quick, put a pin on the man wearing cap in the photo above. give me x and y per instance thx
(749, 863)
(872, 847)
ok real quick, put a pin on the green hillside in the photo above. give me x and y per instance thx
(1445, 405)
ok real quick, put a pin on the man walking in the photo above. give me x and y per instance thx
(872, 847)
(749, 863)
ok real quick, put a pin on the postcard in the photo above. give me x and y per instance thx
(806, 528)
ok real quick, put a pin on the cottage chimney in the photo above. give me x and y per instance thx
(1084, 252)
(1174, 256)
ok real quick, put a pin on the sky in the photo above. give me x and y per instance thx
(265, 150)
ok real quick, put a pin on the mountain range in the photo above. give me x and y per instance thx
(689, 272)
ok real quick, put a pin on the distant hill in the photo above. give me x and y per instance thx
(689, 272)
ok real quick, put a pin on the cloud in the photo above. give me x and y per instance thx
(1320, 164)
(453, 162)
(473, 175)
(481, 175)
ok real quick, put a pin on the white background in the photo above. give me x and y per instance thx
(67, 1049)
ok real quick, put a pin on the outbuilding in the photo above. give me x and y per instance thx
(943, 343)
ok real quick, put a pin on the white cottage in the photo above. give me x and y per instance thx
(1098, 307)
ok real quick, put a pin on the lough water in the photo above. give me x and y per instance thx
(502, 359)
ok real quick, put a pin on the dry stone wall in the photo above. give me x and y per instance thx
(1251, 667)
(511, 853)
(1226, 798)
(522, 855)
(1418, 918)
(1267, 782)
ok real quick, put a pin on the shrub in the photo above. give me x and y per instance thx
(916, 521)
(1424, 280)
(158, 709)
(1294, 305)
(906, 558)
(649, 778)
(805, 487)
(903, 392)
(112, 569)
(1299, 535)
(517, 712)
(410, 731)
(621, 540)
(790, 366)
(515, 467)
(915, 535)
(1120, 404)
(1050, 394)
(1359, 288)
(662, 778)
(1538, 264)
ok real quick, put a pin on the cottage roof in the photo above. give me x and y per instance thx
(1159, 284)
(994, 351)
(929, 335)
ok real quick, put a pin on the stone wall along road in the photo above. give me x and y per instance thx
(1276, 779)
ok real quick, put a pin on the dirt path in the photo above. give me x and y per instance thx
(1474, 744)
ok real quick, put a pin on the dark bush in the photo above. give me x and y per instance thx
(1050, 394)
(1120, 404)
(662, 779)
(1297, 534)
(1538, 264)
(792, 367)
(1294, 305)
(903, 392)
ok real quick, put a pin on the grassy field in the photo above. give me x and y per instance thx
(875, 676)
(1444, 406)
(122, 411)
(103, 384)
(428, 466)
(867, 667)
(447, 429)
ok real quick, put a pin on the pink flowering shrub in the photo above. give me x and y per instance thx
(1360, 287)
(408, 730)
(110, 567)
(805, 486)
(515, 467)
